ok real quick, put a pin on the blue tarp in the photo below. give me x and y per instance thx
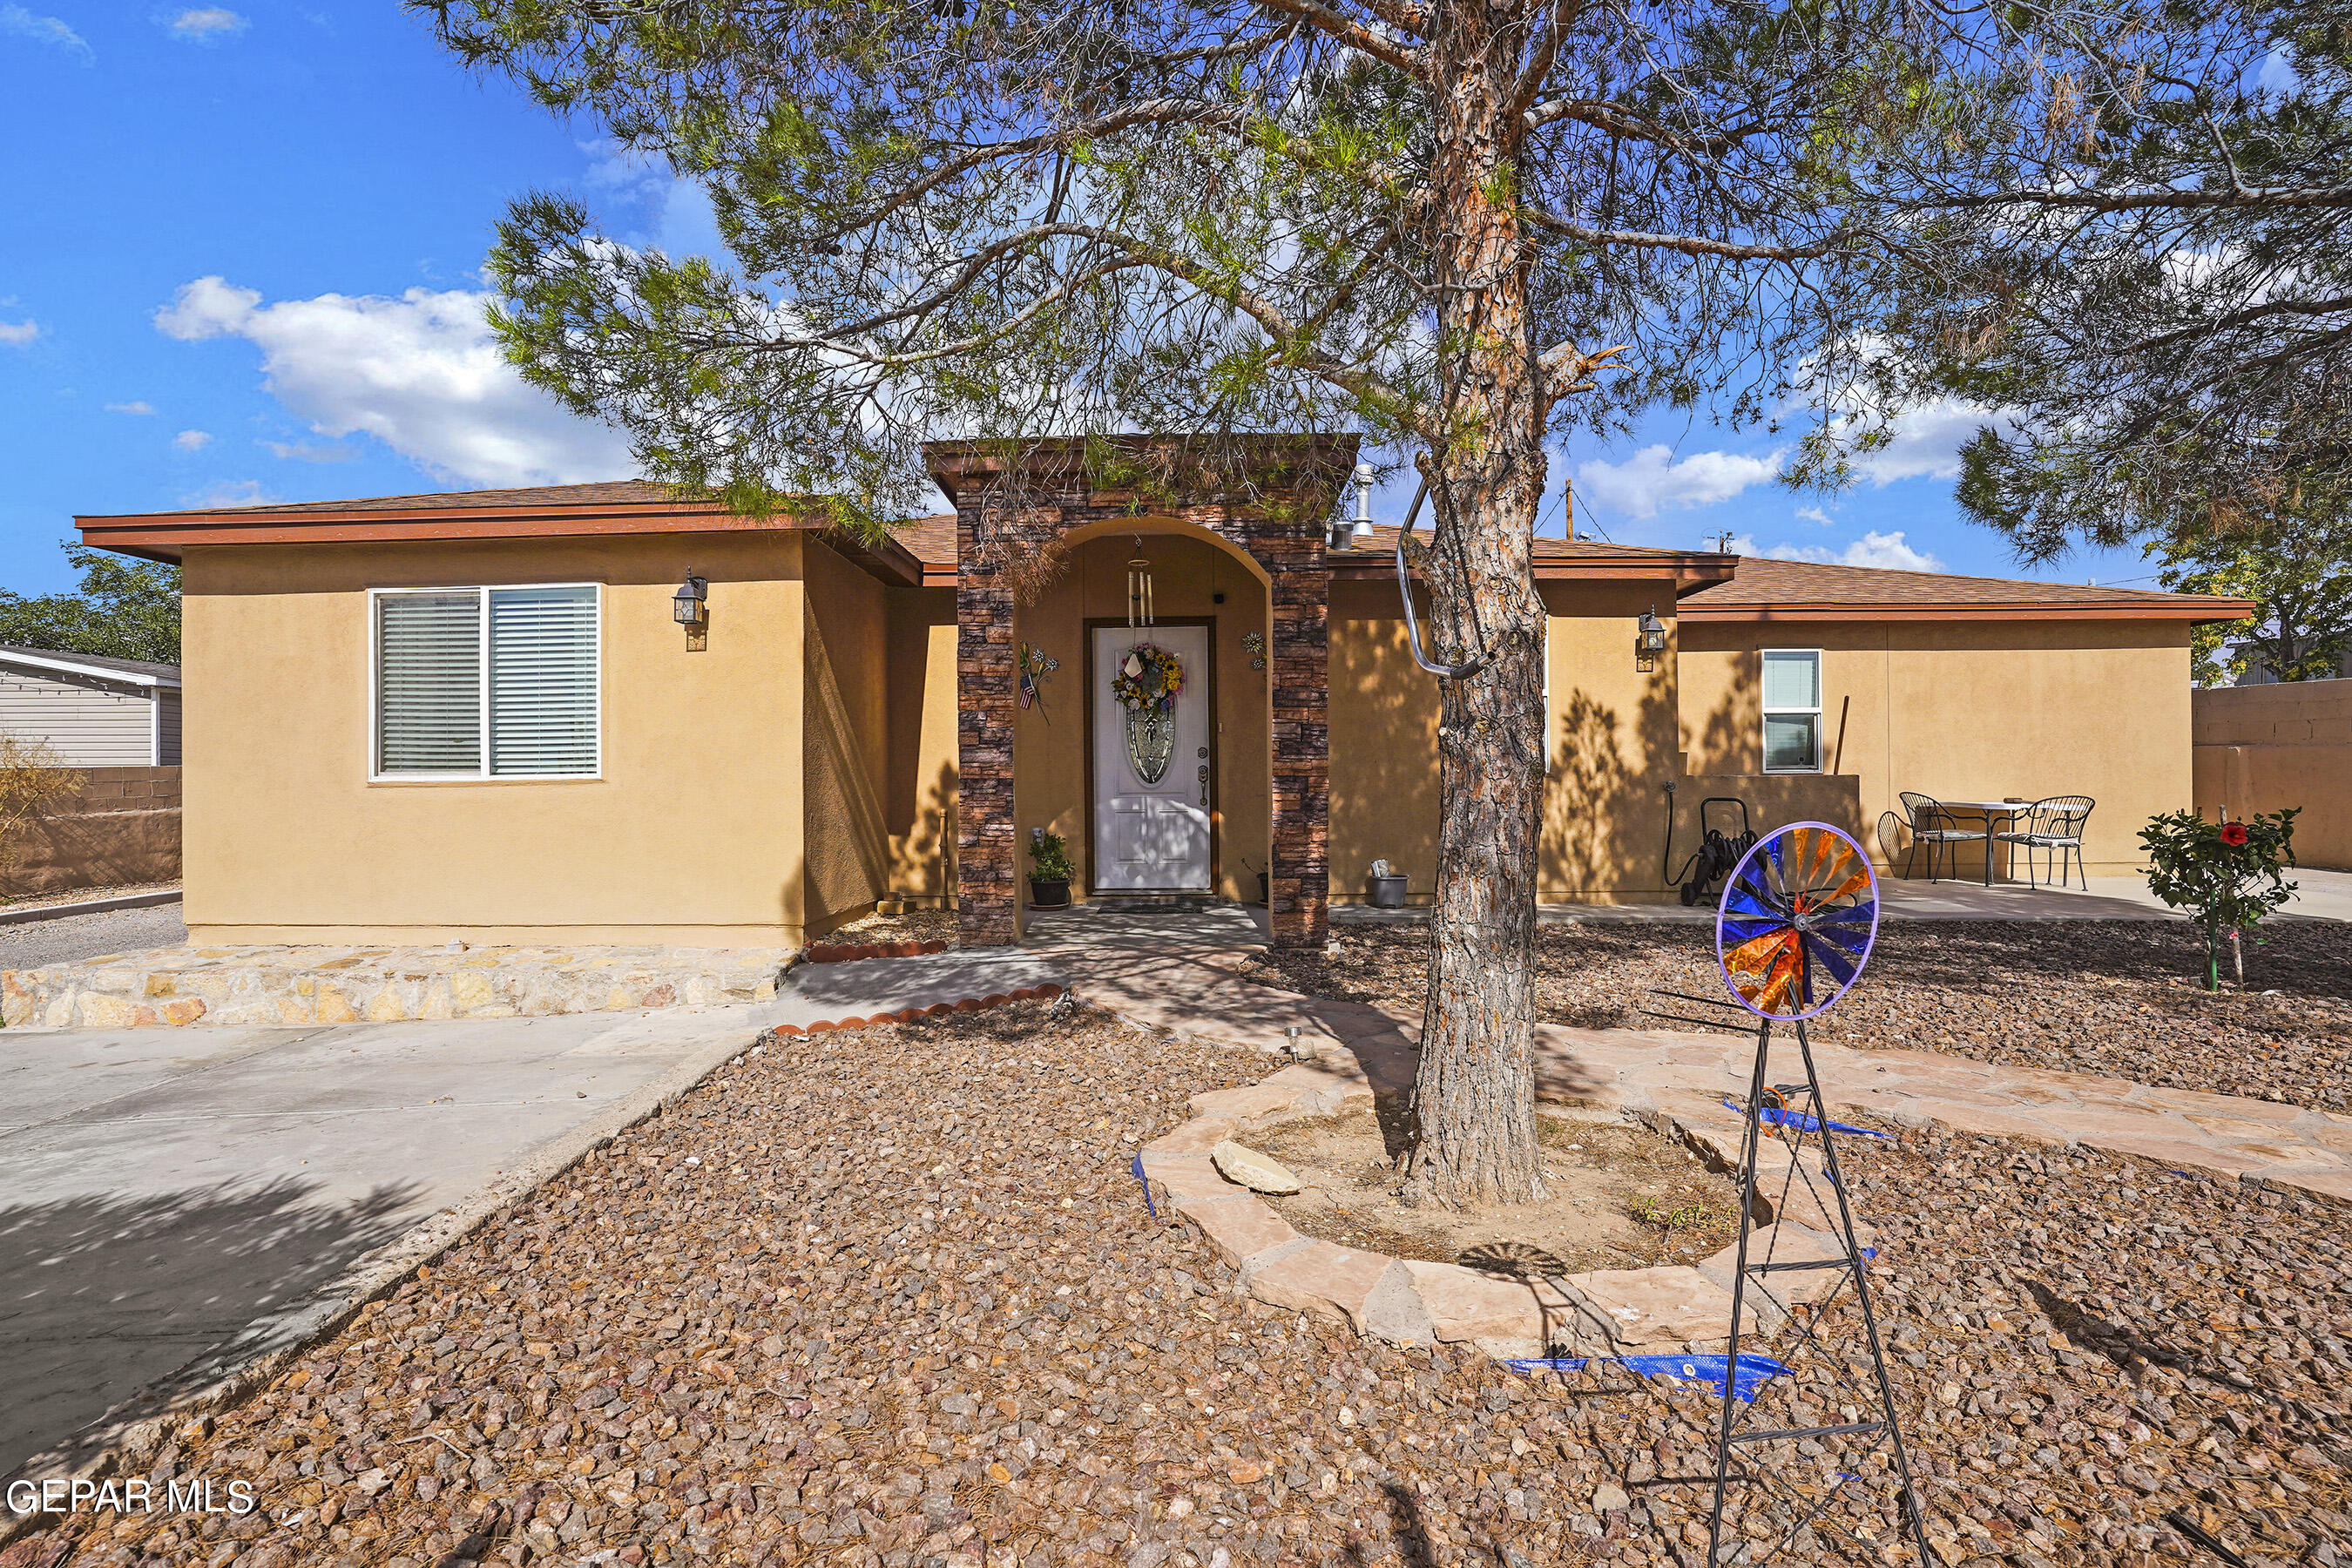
(1138, 1169)
(1707, 1369)
(1801, 1122)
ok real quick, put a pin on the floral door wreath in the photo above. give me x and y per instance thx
(1146, 685)
(1149, 679)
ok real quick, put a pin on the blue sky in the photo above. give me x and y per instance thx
(242, 261)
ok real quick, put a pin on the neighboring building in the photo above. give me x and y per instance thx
(98, 713)
(421, 717)
(2258, 670)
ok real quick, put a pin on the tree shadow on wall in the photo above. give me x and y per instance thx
(102, 1296)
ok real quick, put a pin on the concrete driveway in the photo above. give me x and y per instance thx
(172, 1200)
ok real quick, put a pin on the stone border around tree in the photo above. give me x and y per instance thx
(1659, 1310)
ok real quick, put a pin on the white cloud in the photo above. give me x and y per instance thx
(16, 334)
(46, 30)
(1887, 551)
(138, 406)
(1925, 441)
(421, 373)
(1813, 514)
(206, 25)
(1654, 478)
(192, 440)
(231, 492)
(310, 452)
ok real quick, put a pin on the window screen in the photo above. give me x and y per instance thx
(429, 683)
(538, 716)
(1792, 711)
(542, 681)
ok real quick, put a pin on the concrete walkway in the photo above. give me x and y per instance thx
(1200, 994)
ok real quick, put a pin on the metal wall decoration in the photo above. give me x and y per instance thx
(1034, 666)
(1253, 645)
(1148, 681)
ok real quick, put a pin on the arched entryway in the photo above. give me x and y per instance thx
(1263, 527)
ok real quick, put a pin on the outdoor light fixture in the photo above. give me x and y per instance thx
(1651, 640)
(688, 601)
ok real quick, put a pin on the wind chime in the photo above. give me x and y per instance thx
(1148, 678)
(1139, 587)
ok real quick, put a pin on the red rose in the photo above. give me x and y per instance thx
(2233, 833)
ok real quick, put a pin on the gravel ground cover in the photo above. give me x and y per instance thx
(908, 925)
(81, 895)
(64, 939)
(890, 1296)
(2117, 997)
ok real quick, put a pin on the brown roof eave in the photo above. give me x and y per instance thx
(163, 535)
(2198, 611)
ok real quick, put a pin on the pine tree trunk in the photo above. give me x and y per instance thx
(1475, 1093)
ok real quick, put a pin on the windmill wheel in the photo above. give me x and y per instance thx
(1797, 923)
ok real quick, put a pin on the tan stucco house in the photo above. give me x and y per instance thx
(477, 715)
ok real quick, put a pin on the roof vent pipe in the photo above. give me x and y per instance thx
(1364, 477)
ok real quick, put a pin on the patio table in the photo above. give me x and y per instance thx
(2009, 810)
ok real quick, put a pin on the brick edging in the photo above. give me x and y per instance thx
(854, 952)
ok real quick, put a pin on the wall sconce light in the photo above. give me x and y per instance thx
(1650, 639)
(687, 602)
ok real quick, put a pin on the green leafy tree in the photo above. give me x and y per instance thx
(125, 609)
(2150, 289)
(2229, 875)
(1459, 227)
(2296, 566)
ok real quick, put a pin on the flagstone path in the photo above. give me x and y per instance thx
(1201, 994)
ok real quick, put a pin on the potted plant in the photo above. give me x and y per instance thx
(2227, 875)
(1049, 870)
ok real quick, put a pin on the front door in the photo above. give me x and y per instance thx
(1151, 832)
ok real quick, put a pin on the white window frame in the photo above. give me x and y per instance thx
(374, 674)
(1764, 722)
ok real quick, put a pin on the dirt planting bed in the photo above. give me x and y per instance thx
(2118, 997)
(891, 1298)
(1622, 1197)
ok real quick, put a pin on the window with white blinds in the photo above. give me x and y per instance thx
(487, 682)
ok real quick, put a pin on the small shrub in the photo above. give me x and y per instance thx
(32, 778)
(1049, 858)
(2229, 875)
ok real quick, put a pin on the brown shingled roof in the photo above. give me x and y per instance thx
(606, 493)
(1766, 589)
(930, 539)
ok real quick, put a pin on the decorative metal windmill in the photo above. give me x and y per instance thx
(1794, 929)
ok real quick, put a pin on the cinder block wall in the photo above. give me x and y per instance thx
(2264, 748)
(122, 825)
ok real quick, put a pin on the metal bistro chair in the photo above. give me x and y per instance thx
(1937, 828)
(2054, 826)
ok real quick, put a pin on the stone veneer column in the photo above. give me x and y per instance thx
(988, 887)
(1291, 553)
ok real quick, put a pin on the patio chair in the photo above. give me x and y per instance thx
(2056, 827)
(1939, 831)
